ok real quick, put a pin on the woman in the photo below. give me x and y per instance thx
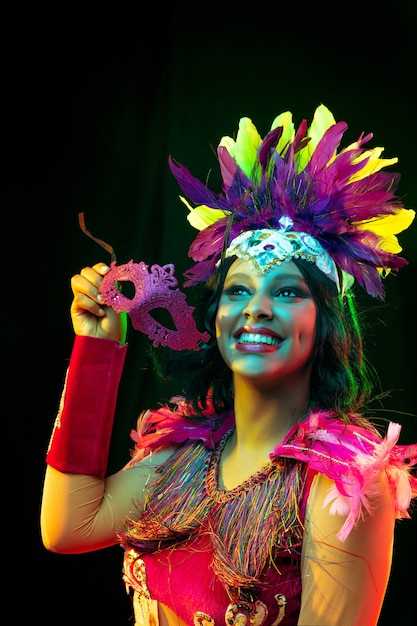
(262, 495)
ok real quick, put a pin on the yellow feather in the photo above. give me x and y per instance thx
(387, 227)
(373, 165)
(322, 120)
(202, 216)
(288, 132)
(245, 149)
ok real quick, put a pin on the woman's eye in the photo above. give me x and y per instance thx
(236, 290)
(287, 292)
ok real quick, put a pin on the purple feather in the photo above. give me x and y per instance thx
(194, 189)
(300, 136)
(228, 168)
(208, 241)
(359, 254)
(268, 145)
(200, 272)
(326, 148)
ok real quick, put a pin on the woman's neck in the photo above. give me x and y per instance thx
(263, 419)
(264, 416)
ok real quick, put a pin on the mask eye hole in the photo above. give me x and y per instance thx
(163, 317)
(127, 288)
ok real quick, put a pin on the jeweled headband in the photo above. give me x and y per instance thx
(338, 210)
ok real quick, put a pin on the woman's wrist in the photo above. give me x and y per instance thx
(80, 439)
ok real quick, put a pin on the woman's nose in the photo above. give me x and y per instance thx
(259, 306)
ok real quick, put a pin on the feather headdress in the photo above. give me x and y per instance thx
(296, 176)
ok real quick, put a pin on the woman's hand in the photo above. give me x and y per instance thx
(89, 316)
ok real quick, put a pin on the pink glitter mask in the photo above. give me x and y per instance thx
(154, 289)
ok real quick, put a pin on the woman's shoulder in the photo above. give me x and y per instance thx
(357, 459)
(175, 422)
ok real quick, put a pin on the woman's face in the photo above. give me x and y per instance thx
(265, 325)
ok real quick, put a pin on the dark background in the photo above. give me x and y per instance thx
(95, 97)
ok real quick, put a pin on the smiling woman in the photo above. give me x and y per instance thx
(261, 495)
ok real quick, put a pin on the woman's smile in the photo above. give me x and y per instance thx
(254, 339)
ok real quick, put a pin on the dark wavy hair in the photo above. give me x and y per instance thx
(341, 379)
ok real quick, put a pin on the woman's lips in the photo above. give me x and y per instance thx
(257, 340)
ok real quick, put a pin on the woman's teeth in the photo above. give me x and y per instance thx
(257, 338)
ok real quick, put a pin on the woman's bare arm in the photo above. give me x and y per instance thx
(344, 583)
(82, 513)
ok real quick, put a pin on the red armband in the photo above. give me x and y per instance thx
(80, 439)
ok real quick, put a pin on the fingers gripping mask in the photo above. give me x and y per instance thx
(155, 288)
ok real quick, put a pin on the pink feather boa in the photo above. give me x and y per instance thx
(354, 457)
